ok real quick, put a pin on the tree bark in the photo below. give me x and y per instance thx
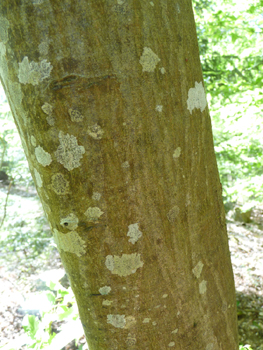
(109, 101)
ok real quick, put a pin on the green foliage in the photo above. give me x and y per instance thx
(230, 42)
(62, 306)
(245, 347)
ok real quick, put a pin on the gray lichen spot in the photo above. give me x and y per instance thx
(175, 331)
(171, 344)
(59, 184)
(210, 346)
(43, 48)
(151, 3)
(93, 214)
(70, 222)
(177, 153)
(146, 320)
(154, 323)
(173, 213)
(125, 165)
(123, 265)
(196, 97)
(120, 2)
(131, 340)
(2, 49)
(69, 152)
(47, 108)
(4, 25)
(165, 296)
(38, 178)
(96, 196)
(149, 60)
(159, 108)
(33, 140)
(75, 115)
(33, 72)
(95, 132)
(202, 287)
(130, 321)
(107, 302)
(43, 157)
(162, 70)
(197, 270)
(70, 242)
(117, 321)
(134, 233)
(105, 290)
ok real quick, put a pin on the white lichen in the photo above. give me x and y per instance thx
(197, 270)
(159, 108)
(38, 178)
(134, 233)
(33, 140)
(70, 222)
(172, 343)
(47, 108)
(154, 323)
(148, 60)
(162, 70)
(177, 153)
(173, 214)
(124, 265)
(33, 72)
(125, 165)
(105, 290)
(75, 115)
(95, 131)
(202, 287)
(93, 214)
(43, 157)
(43, 48)
(4, 25)
(146, 320)
(165, 296)
(70, 242)
(96, 196)
(117, 321)
(175, 331)
(59, 184)
(69, 152)
(107, 302)
(196, 98)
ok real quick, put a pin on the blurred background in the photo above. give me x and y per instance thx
(37, 307)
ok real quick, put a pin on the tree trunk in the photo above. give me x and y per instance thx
(109, 101)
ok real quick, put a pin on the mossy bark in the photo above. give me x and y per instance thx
(109, 102)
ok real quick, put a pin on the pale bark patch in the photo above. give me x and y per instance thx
(70, 242)
(123, 265)
(210, 346)
(197, 270)
(134, 233)
(117, 321)
(149, 60)
(93, 214)
(59, 184)
(70, 222)
(105, 290)
(33, 72)
(43, 157)
(38, 178)
(202, 287)
(196, 97)
(69, 152)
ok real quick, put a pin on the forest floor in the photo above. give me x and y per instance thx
(22, 276)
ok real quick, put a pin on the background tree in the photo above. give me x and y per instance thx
(109, 102)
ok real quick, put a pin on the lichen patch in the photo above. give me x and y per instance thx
(149, 60)
(197, 270)
(33, 72)
(69, 152)
(118, 321)
(196, 98)
(93, 214)
(202, 287)
(43, 157)
(38, 178)
(159, 108)
(171, 344)
(124, 265)
(70, 222)
(134, 233)
(105, 290)
(59, 184)
(173, 213)
(107, 302)
(96, 132)
(4, 25)
(177, 153)
(47, 108)
(96, 196)
(146, 320)
(75, 115)
(70, 242)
